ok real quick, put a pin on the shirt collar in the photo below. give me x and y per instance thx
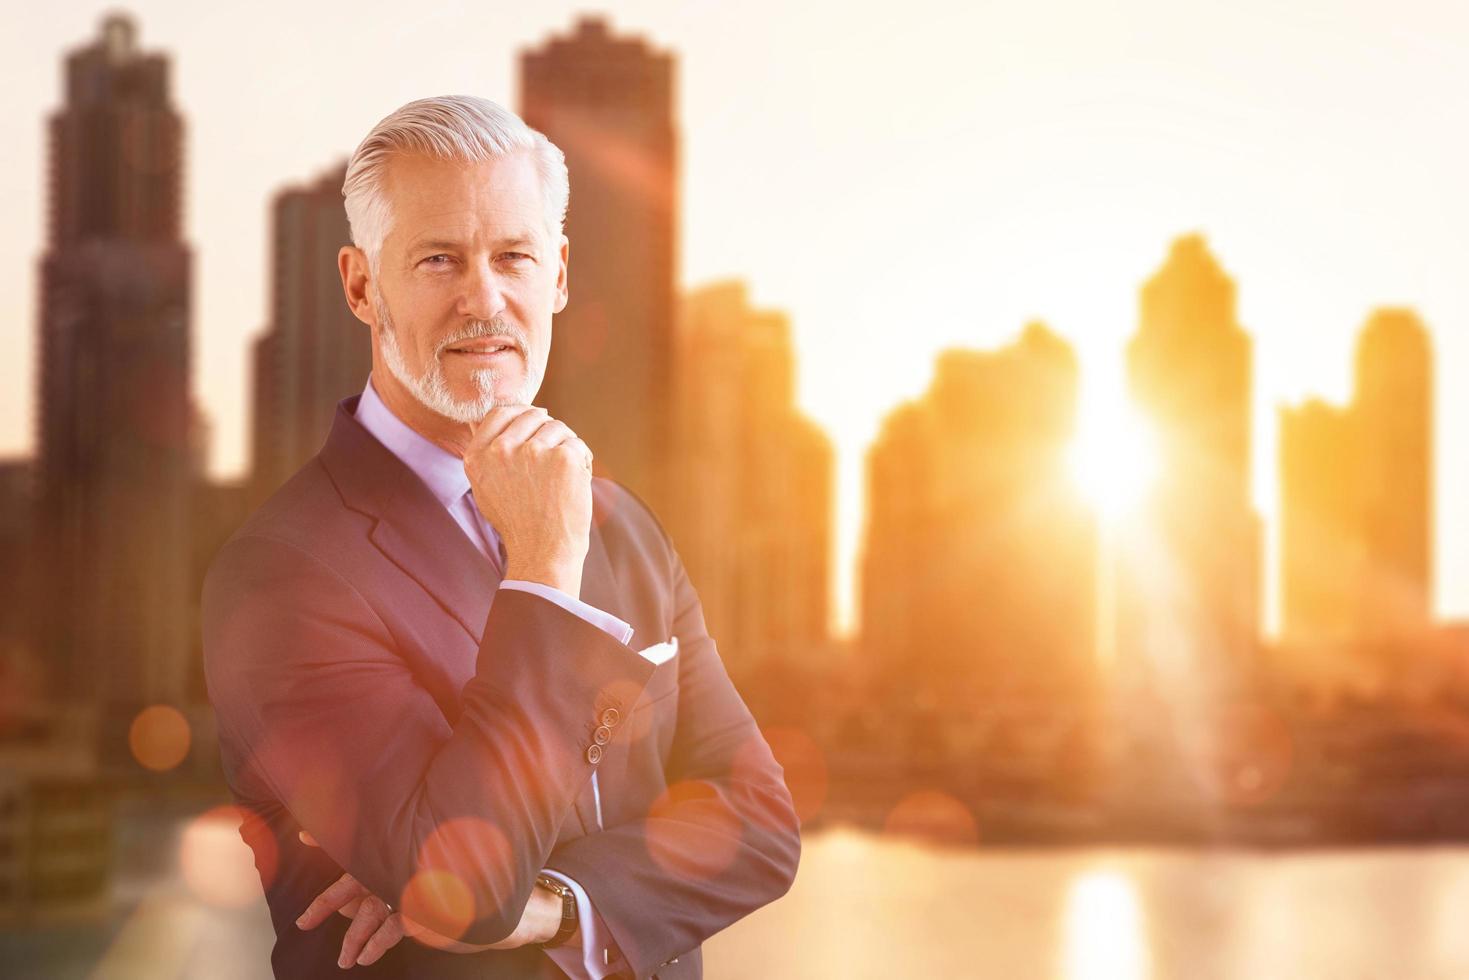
(439, 469)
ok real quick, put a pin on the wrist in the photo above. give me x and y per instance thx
(565, 576)
(558, 921)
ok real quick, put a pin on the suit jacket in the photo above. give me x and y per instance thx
(437, 736)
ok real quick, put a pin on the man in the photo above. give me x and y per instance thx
(464, 688)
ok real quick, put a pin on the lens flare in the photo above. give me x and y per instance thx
(217, 864)
(159, 737)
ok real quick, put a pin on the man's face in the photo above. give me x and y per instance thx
(467, 265)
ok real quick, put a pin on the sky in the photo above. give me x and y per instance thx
(899, 178)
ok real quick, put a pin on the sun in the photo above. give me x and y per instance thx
(1114, 458)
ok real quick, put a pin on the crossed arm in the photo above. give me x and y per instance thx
(303, 671)
(376, 927)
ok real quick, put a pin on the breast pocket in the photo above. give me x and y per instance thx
(654, 714)
(664, 681)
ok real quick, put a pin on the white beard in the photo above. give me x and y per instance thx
(432, 388)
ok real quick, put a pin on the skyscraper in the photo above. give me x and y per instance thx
(1320, 525)
(1394, 405)
(754, 479)
(608, 103)
(978, 555)
(1357, 500)
(114, 408)
(314, 351)
(1189, 592)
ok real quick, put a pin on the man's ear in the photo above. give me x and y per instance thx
(356, 280)
(562, 292)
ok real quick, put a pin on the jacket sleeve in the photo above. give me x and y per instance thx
(450, 823)
(722, 841)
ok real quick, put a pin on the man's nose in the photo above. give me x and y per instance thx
(483, 296)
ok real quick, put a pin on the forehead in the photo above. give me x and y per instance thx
(444, 199)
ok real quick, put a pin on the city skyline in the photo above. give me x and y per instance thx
(1046, 265)
(1029, 389)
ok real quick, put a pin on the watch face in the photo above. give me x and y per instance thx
(568, 897)
(558, 887)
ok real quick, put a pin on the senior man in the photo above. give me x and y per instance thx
(464, 687)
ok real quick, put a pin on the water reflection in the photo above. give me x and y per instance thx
(869, 907)
(1104, 934)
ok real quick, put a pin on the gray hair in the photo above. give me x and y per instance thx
(464, 128)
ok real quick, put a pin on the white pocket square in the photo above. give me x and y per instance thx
(660, 652)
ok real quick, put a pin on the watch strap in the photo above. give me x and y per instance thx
(568, 910)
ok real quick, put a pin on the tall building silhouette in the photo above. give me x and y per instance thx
(314, 351)
(1357, 499)
(1320, 524)
(1394, 378)
(754, 483)
(115, 419)
(1189, 583)
(608, 103)
(978, 555)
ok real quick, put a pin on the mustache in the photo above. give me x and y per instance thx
(486, 328)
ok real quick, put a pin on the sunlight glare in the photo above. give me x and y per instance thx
(1114, 458)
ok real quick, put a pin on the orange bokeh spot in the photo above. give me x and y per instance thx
(159, 737)
(680, 848)
(476, 843)
(436, 905)
(217, 864)
(804, 766)
(932, 816)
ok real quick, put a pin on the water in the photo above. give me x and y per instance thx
(868, 907)
(864, 906)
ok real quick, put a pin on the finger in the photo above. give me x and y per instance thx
(552, 433)
(521, 428)
(577, 452)
(307, 839)
(372, 914)
(386, 937)
(489, 428)
(584, 449)
(342, 891)
(350, 909)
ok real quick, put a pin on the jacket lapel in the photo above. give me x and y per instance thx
(417, 534)
(411, 527)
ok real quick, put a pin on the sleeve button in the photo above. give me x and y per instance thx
(610, 717)
(594, 754)
(602, 735)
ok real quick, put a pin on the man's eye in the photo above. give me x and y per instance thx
(431, 260)
(514, 256)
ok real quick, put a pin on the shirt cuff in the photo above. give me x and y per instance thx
(598, 955)
(616, 628)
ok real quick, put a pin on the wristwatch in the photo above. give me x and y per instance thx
(568, 910)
